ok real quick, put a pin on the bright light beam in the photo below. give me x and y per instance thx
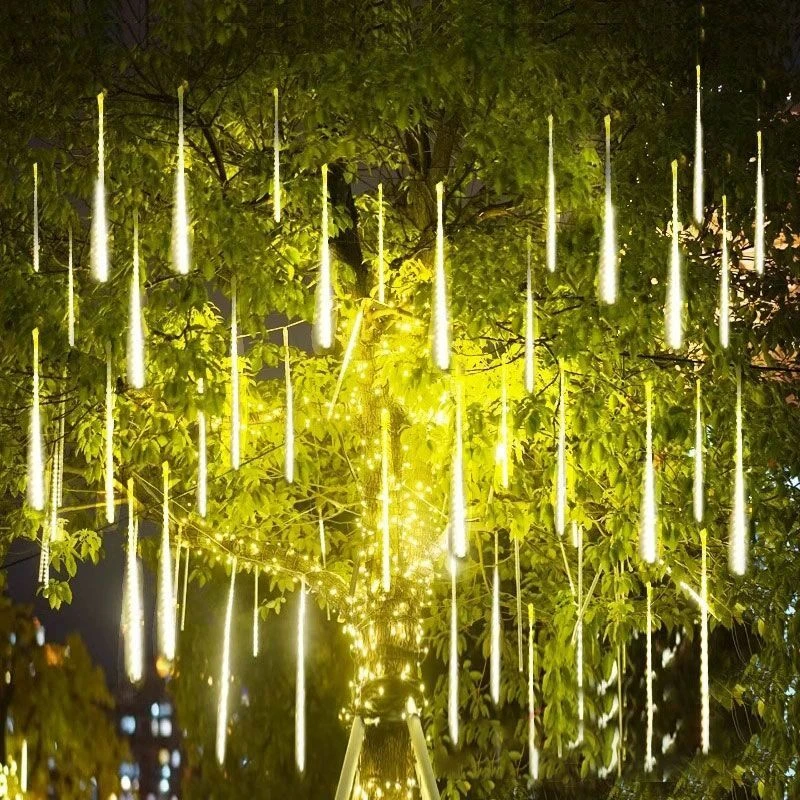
(255, 612)
(323, 327)
(35, 217)
(109, 438)
(494, 654)
(235, 419)
(551, 200)
(758, 240)
(386, 545)
(533, 751)
(452, 686)
(737, 543)
(181, 261)
(135, 325)
(608, 253)
(704, 699)
(724, 280)
(166, 600)
(649, 761)
(134, 648)
(698, 457)
(561, 457)
(503, 455)
(648, 521)
(530, 326)
(441, 312)
(458, 504)
(673, 307)
(225, 673)
(99, 238)
(300, 685)
(70, 294)
(381, 263)
(578, 536)
(276, 166)
(698, 157)
(289, 423)
(202, 457)
(23, 767)
(35, 478)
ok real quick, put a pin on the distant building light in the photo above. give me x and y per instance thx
(165, 709)
(163, 786)
(154, 727)
(128, 724)
(125, 783)
(163, 756)
(154, 710)
(165, 771)
(165, 727)
(40, 636)
(176, 759)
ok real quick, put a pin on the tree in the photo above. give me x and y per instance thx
(410, 95)
(56, 701)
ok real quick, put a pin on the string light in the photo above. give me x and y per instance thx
(165, 602)
(35, 479)
(649, 520)
(530, 326)
(551, 200)
(176, 579)
(323, 328)
(458, 509)
(276, 167)
(135, 325)
(673, 308)
(202, 458)
(737, 544)
(758, 243)
(323, 546)
(134, 648)
(724, 278)
(381, 263)
(23, 767)
(441, 313)
(698, 457)
(225, 673)
(99, 240)
(533, 752)
(185, 587)
(494, 654)
(608, 254)
(70, 294)
(300, 686)
(518, 588)
(386, 548)
(502, 455)
(235, 421)
(180, 211)
(348, 355)
(452, 688)
(35, 217)
(289, 434)
(577, 532)
(109, 439)
(649, 761)
(561, 458)
(255, 611)
(704, 699)
(698, 157)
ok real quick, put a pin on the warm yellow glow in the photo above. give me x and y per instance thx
(323, 328)
(35, 217)
(577, 531)
(452, 687)
(202, 457)
(530, 327)
(109, 439)
(235, 420)
(704, 697)
(441, 312)
(561, 457)
(494, 653)
(166, 599)
(533, 752)
(698, 157)
(502, 455)
(698, 457)
(23, 767)
(135, 325)
(35, 478)
(758, 238)
(348, 356)
(134, 647)
(737, 544)
(649, 761)
(608, 252)
(70, 295)
(181, 259)
(648, 521)
(255, 611)
(289, 432)
(458, 503)
(276, 166)
(386, 545)
(673, 307)
(381, 264)
(225, 673)
(724, 279)
(300, 685)
(551, 200)
(99, 241)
